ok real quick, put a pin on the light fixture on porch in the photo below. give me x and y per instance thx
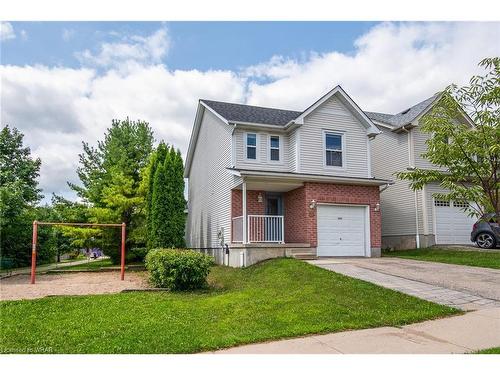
(377, 207)
(312, 204)
(259, 198)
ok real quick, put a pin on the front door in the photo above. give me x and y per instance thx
(274, 204)
(272, 224)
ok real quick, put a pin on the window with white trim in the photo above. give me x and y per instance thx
(274, 148)
(334, 150)
(251, 144)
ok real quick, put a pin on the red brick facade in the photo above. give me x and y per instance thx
(295, 212)
(254, 207)
(349, 194)
(301, 220)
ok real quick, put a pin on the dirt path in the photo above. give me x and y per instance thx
(78, 283)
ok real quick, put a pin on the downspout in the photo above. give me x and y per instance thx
(233, 147)
(417, 230)
(385, 187)
(417, 238)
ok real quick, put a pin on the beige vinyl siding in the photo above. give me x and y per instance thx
(209, 184)
(389, 154)
(419, 147)
(293, 151)
(333, 116)
(262, 162)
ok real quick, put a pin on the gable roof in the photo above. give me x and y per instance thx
(242, 113)
(404, 117)
(233, 112)
(346, 100)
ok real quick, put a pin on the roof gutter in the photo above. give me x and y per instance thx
(386, 186)
(306, 177)
(406, 128)
(256, 125)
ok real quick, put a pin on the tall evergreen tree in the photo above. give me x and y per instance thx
(159, 209)
(167, 207)
(157, 158)
(178, 201)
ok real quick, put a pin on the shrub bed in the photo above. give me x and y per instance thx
(178, 269)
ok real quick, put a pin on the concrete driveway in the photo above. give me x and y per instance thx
(468, 288)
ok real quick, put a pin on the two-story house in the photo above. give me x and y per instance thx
(272, 182)
(413, 219)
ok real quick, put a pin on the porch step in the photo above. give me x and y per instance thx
(305, 250)
(304, 256)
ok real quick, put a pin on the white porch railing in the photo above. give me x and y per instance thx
(260, 228)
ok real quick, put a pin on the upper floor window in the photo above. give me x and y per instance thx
(334, 150)
(274, 148)
(251, 141)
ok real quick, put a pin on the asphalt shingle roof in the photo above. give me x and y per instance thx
(249, 113)
(273, 116)
(404, 117)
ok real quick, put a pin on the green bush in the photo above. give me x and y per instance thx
(136, 254)
(178, 269)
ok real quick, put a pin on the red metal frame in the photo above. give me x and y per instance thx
(35, 239)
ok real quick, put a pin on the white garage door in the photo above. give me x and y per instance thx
(341, 230)
(453, 226)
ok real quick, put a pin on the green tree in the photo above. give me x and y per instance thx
(19, 194)
(157, 157)
(178, 202)
(111, 177)
(66, 239)
(468, 157)
(159, 232)
(167, 207)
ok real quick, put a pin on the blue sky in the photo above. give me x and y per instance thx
(63, 82)
(194, 45)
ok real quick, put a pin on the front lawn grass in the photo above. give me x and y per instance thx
(466, 258)
(272, 300)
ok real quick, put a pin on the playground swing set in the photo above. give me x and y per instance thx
(35, 240)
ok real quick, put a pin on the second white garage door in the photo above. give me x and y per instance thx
(341, 230)
(453, 225)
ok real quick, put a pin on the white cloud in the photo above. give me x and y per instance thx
(133, 50)
(392, 67)
(58, 108)
(6, 31)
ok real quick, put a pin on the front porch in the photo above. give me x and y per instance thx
(258, 213)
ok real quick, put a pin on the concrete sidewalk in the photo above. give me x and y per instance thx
(460, 334)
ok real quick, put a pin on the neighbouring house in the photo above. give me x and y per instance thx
(271, 182)
(412, 219)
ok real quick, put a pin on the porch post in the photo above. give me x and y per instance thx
(244, 200)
